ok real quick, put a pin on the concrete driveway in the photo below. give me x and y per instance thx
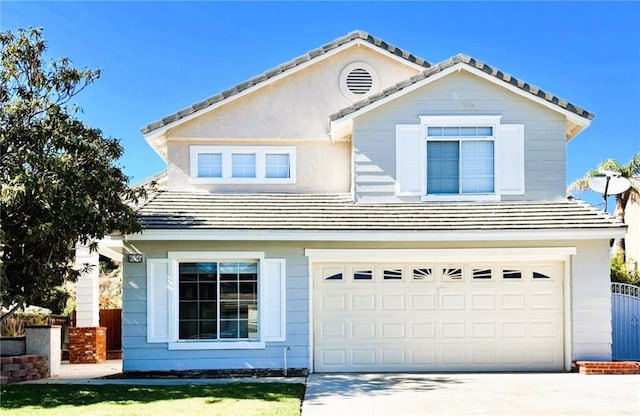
(546, 394)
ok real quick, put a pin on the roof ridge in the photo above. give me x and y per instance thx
(470, 61)
(286, 66)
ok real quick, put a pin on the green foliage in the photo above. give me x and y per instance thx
(59, 180)
(621, 273)
(14, 325)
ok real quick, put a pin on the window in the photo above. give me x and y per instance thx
(452, 274)
(218, 300)
(243, 164)
(365, 274)
(392, 274)
(210, 165)
(277, 165)
(460, 160)
(481, 274)
(511, 274)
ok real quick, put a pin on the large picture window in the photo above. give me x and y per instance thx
(218, 300)
(460, 160)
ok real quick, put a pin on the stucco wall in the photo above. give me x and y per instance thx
(322, 167)
(293, 110)
(460, 94)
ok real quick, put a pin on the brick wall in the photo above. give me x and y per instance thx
(87, 345)
(608, 367)
(23, 367)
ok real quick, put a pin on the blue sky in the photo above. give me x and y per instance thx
(158, 57)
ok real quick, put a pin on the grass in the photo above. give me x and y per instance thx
(272, 399)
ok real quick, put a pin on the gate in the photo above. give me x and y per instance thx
(625, 322)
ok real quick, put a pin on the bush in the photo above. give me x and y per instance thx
(621, 273)
(15, 324)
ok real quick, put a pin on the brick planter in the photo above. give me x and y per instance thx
(608, 367)
(87, 345)
(23, 367)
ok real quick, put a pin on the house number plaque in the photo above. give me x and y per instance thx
(134, 258)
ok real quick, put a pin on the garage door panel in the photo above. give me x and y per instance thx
(455, 300)
(363, 330)
(483, 301)
(422, 301)
(363, 303)
(393, 302)
(398, 319)
(392, 330)
(423, 330)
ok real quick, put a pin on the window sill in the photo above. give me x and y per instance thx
(243, 181)
(217, 345)
(461, 198)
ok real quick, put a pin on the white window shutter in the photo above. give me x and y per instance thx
(510, 152)
(273, 287)
(410, 156)
(157, 300)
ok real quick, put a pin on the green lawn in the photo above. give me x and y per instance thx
(281, 399)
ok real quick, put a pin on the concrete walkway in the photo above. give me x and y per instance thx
(534, 394)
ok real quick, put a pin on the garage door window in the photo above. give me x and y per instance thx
(366, 274)
(392, 274)
(452, 274)
(482, 274)
(422, 274)
(511, 274)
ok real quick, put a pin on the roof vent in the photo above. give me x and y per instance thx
(357, 80)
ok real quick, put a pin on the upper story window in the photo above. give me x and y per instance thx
(460, 158)
(243, 164)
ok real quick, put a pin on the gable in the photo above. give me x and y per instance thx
(577, 119)
(293, 107)
(408, 64)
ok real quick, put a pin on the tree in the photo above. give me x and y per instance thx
(60, 183)
(630, 171)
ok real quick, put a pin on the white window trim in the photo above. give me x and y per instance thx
(227, 151)
(177, 257)
(461, 121)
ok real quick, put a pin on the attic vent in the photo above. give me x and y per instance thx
(359, 81)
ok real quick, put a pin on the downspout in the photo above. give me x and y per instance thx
(284, 353)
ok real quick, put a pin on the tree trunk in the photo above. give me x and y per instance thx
(619, 243)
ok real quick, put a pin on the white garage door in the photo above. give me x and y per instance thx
(430, 317)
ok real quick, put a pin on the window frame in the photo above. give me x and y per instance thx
(227, 153)
(461, 121)
(175, 258)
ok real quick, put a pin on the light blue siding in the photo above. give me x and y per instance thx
(138, 355)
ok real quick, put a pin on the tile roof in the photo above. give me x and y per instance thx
(461, 58)
(283, 68)
(337, 212)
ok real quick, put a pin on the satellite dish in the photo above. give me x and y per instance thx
(610, 183)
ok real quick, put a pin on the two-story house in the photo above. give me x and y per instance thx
(361, 209)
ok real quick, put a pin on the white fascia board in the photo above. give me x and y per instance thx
(445, 255)
(574, 118)
(376, 236)
(151, 136)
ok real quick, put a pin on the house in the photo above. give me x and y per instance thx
(361, 209)
(632, 238)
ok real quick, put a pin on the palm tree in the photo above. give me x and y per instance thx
(630, 171)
